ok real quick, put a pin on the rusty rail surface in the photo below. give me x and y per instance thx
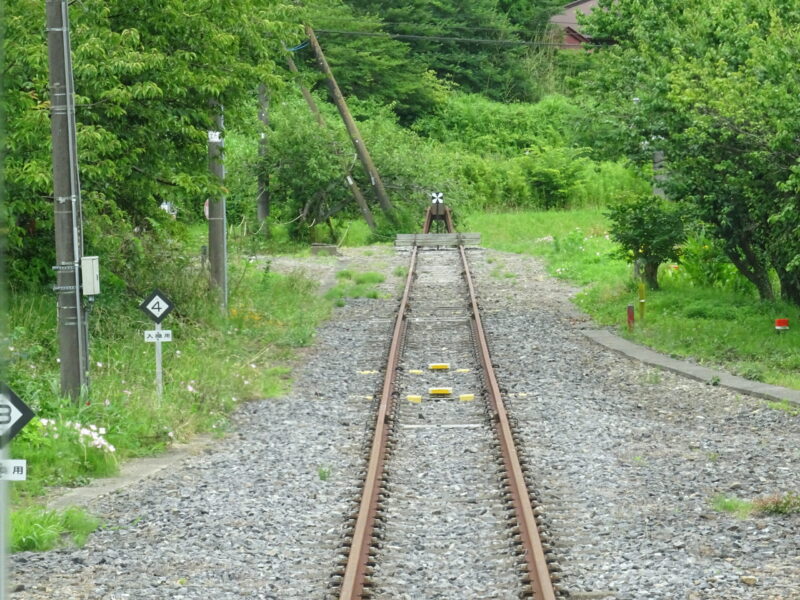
(359, 555)
(355, 571)
(535, 559)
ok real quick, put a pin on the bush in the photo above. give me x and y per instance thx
(649, 230)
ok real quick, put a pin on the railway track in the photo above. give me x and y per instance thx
(445, 510)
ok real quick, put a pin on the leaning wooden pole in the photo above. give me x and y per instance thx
(351, 184)
(312, 104)
(352, 129)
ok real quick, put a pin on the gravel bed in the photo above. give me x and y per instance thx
(446, 533)
(628, 458)
(259, 515)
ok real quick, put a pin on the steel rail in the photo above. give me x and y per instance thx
(357, 561)
(355, 570)
(426, 227)
(535, 558)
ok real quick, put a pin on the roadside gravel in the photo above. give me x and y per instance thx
(630, 457)
(258, 515)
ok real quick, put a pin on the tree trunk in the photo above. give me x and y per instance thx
(651, 275)
(755, 272)
(790, 285)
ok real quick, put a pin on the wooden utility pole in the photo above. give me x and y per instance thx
(352, 129)
(262, 202)
(351, 183)
(217, 224)
(72, 326)
(312, 104)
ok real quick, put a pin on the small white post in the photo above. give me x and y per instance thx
(159, 369)
(5, 539)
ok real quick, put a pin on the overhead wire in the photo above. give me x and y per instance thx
(436, 38)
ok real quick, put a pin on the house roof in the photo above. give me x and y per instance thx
(568, 16)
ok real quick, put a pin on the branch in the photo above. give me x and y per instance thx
(154, 178)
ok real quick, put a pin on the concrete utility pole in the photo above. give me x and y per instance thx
(262, 202)
(351, 183)
(72, 327)
(217, 224)
(352, 129)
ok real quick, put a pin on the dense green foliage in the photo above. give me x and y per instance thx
(444, 35)
(649, 231)
(373, 65)
(144, 80)
(713, 85)
(482, 154)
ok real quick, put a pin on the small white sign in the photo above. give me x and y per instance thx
(214, 137)
(14, 414)
(157, 306)
(158, 335)
(13, 470)
(9, 414)
(437, 197)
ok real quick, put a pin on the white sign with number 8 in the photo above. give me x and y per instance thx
(8, 415)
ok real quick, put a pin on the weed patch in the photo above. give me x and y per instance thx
(776, 504)
(741, 508)
(38, 529)
(785, 406)
(354, 285)
(779, 504)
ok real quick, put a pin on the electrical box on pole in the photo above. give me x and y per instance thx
(90, 275)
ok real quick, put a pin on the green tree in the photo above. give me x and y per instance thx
(144, 79)
(649, 231)
(496, 68)
(371, 66)
(712, 84)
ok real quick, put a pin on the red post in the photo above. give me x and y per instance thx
(630, 317)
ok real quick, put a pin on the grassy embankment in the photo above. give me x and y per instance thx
(722, 324)
(214, 363)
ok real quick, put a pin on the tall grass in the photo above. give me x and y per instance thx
(36, 528)
(214, 362)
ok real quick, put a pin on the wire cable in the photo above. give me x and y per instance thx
(436, 38)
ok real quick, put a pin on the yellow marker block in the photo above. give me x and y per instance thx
(466, 397)
(414, 399)
(370, 398)
(439, 366)
(367, 372)
(463, 370)
(415, 371)
(522, 395)
(440, 391)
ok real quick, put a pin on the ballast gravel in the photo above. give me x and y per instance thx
(625, 459)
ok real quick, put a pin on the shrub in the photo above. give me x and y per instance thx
(649, 230)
